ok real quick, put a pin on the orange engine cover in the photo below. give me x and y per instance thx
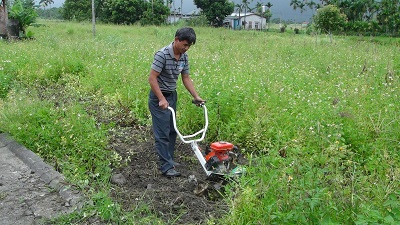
(221, 146)
(220, 150)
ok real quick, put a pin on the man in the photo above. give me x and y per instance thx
(168, 63)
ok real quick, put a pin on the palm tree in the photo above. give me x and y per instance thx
(258, 7)
(245, 4)
(260, 12)
(239, 9)
(46, 2)
(295, 4)
(269, 5)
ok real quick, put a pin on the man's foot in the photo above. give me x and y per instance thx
(172, 173)
(176, 164)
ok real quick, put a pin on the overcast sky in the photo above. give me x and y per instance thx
(280, 9)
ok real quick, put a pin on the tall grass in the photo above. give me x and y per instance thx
(320, 119)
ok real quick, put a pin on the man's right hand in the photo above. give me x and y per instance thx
(163, 103)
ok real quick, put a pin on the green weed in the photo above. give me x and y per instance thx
(318, 120)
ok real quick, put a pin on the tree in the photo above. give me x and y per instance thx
(45, 3)
(239, 10)
(269, 5)
(153, 12)
(23, 11)
(215, 10)
(245, 4)
(156, 13)
(329, 19)
(79, 10)
(123, 12)
(389, 15)
(118, 11)
(354, 10)
(267, 14)
(386, 13)
(296, 4)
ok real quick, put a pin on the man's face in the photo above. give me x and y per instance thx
(181, 46)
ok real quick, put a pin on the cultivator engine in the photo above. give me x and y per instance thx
(221, 158)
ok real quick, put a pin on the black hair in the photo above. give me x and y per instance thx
(186, 34)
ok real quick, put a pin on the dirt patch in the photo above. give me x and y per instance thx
(142, 185)
(138, 185)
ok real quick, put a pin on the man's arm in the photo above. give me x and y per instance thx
(155, 88)
(190, 87)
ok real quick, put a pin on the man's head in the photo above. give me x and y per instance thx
(184, 38)
(186, 34)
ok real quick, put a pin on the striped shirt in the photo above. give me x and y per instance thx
(169, 68)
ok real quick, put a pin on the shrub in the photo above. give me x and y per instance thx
(329, 19)
(362, 28)
(283, 28)
(24, 13)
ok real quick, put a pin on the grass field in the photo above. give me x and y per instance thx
(319, 120)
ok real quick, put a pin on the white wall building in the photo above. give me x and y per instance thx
(248, 21)
(174, 17)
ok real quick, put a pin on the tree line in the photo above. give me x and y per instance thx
(363, 16)
(332, 16)
(153, 12)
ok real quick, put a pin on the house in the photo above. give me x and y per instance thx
(248, 21)
(174, 16)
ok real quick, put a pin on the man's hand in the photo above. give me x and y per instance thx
(163, 103)
(198, 101)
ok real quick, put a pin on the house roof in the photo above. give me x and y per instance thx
(190, 13)
(236, 15)
(242, 14)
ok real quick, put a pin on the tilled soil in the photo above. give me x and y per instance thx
(139, 183)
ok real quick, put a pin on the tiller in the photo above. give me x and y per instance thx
(219, 158)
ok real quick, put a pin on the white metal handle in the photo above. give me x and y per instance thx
(191, 138)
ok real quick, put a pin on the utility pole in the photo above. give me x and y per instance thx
(93, 19)
(4, 19)
(262, 14)
(174, 12)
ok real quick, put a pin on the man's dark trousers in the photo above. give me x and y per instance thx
(163, 128)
